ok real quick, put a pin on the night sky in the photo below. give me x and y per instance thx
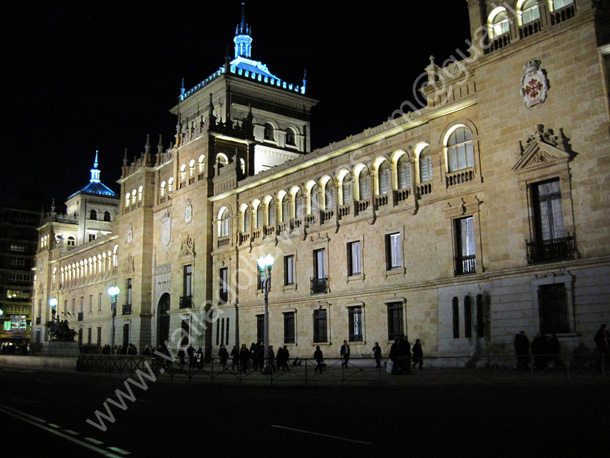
(87, 75)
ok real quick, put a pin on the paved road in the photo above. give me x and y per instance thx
(181, 419)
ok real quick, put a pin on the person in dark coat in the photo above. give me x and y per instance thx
(191, 352)
(377, 354)
(181, 355)
(539, 351)
(244, 357)
(345, 352)
(404, 347)
(395, 355)
(235, 358)
(602, 342)
(418, 355)
(318, 356)
(223, 354)
(522, 348)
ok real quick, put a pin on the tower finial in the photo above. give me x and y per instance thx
(243, 40)
(95, 173)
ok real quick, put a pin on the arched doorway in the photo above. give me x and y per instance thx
(163, 320)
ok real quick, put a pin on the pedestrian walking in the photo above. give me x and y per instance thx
(223, 354)
(345, 352)
(318, 356)
(199, 358)
(522, 348)
(377, 354)
(244, 357)
(191, 353)
(235, 358)
(418, 355)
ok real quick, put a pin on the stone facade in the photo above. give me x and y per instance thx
(460, 222)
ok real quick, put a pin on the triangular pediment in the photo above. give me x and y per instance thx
(541, 149)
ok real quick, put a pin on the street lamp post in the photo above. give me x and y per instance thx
(113, 292)
(53, 304)
(264, 264)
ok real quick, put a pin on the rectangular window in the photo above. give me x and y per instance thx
(99, 302)
(223, 293)
(393, 251)
(89, 336)
(289, 327)
(91, 303)
(187, 282)
(551, 243)
(289, 269)
(396, 324)
(129, 291)
(99, 336)
(260, 328)
(465, 258)
(319, 264)
(354, 264)
(456, 317)
(553, 309)
(319, 326)
(355, 324)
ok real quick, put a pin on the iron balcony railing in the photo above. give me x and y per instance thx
(551, 250)
(466, 265)
(319, 285)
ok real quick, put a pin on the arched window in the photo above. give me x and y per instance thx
(425, 165)
(140, 191)
(346, 188)
(403, 170)
(107, 216)
(224, 223)
(127, 199)
(364, 184)
(499, 24)
(170, 185)
(162, 190)
(183, 172)
(115, 257)
(299, 204)
(260, 213)
(134, 196)
(192, 169)
(460, 153)
(71, 241)
(269, 132)
(290, 137)
(93, 214)
(385, 182)
(271, 214)
(201, 166)
(329, 195)
(285, 209)
(245, 223)
(530, 11)
(315, 199)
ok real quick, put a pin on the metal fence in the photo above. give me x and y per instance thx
(363, 371)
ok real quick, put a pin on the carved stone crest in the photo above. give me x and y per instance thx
(534, 84)
(166, 230)
(188, 212)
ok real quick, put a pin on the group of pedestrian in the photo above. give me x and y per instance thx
(401, 357)
(545, 352)
(253, 358)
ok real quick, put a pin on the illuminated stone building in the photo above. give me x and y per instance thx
(460, 222)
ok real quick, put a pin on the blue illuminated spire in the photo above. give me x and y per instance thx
(95, 186)
(243, 40)
(95, 173)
